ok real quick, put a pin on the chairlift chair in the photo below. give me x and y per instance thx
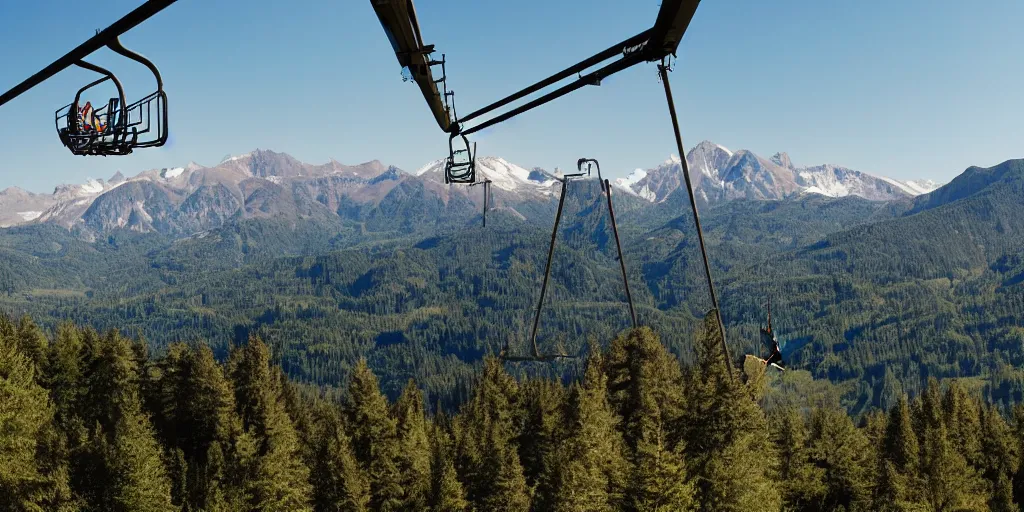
(461, 164)
(94, 131)
(128, 126)
(606, 188)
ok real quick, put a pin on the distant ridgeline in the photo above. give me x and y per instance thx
(92, 421)
(874, 296)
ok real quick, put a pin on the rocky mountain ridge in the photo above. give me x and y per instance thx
(264, 183)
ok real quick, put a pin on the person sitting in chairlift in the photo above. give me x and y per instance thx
(89, 120)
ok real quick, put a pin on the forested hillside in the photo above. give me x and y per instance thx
(876, 297)
(92, 421)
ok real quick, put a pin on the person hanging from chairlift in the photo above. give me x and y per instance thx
(768, 336)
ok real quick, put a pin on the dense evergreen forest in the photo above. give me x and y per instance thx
(92, 421)
(876, 298)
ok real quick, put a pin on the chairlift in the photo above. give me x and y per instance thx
(116, 128)
(487, 193)
(461, 164)
(606, 188)
(94, 131)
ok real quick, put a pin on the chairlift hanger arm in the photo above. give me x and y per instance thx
(588, 79)
(103, 38)
(118, 48)
(650, 45)
(561, 75)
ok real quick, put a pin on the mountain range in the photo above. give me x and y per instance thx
(719, 175)
(877, 289)
(185, 200)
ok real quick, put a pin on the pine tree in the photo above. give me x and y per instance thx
(725, 433)
(374, 438)
(542, 407)
(134, 461)
(133, 475)
(447, 493)
(645, 388)
(413, 448)
(659, 481)
(949, 483)
(276, 478)
(840, 450)
(33, 343)
(27, 481)
(896, 488)
(487, 458)
(802, 485)
(644, 384)
(590, 471)
(999, 458)
(65, 373)
(873, 424)
(65, 379)
(1017, 426)
(962, 418)
(339, 485)
(195, 415)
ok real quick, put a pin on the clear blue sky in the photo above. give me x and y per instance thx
(908, 89)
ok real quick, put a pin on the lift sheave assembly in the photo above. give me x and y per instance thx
(116, 128)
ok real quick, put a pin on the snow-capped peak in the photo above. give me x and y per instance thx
(430, 166)
(719, 174)
(232, 158)
(921, 186)
(506, 175)
(502, 173)
(633, 177)
(627, 183)
(171, 173)
(90, 187)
